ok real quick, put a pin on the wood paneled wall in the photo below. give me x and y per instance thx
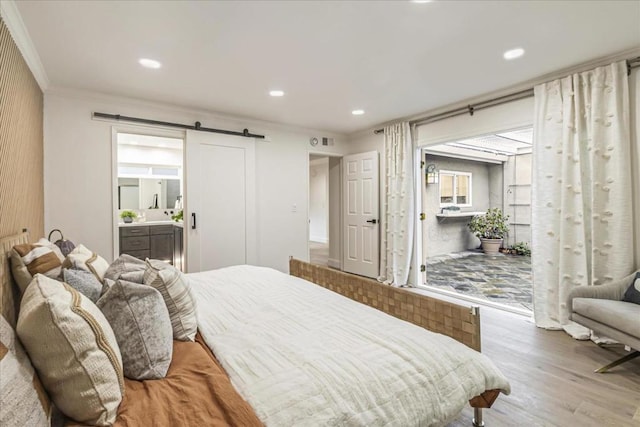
(21, 143)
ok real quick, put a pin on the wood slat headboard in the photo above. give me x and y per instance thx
(460, 322)
(9, 298)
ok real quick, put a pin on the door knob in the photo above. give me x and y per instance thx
(372, 221)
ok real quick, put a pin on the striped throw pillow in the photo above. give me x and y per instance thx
(28, 259)
(82, 258)
(24, 401)
(176, 293)
(74, 350)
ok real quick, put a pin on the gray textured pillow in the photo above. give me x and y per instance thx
(126, 267)
(633, 292)
(84, 282)
(140, 321)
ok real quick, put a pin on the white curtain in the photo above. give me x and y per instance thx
(396, 244)
(582, 201)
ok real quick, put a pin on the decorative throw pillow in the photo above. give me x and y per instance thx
(74, 350)
(126, 267)
(177, 296)
(82, 258)
(141, 324)
(633, 292)
(106, 284)
(84, 282)
(24, 401)
(29, 259)
(56, 250)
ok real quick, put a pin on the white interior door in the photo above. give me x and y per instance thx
(220, 217)
(361, 254)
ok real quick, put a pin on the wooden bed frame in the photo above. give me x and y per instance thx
(9, 298)
(459, 322)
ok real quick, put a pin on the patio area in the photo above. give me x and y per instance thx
(503, 279)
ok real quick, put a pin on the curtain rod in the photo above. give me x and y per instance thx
(196, 126)
(471, 108)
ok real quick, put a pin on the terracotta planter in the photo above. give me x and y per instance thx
(491, 246)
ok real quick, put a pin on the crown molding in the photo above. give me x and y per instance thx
(11, 17)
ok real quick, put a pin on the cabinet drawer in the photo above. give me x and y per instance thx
(161, 229)
(134, 243)
(161, 247)
(138, 254)
(134, 231)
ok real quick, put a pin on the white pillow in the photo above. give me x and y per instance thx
(29, 259)
(74, 350)
(82, 258)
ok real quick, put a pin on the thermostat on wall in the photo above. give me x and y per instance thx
(313, 141)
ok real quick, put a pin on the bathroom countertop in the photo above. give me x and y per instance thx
(151, 223)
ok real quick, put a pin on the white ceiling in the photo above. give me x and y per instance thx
(391, 58)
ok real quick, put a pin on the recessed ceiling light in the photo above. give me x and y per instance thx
(276, 93)
(421, 1)
(149, 63)
(357, 112)
(513, 53)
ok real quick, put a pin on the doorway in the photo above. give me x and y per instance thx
(148, 196)
(325, 210)
(319, 209)
(465, 178)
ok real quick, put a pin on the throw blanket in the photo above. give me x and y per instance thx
(195, 392)
(305, 356)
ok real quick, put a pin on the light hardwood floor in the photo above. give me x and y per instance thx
(552, 378)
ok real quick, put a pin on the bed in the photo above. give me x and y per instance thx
(291, 352)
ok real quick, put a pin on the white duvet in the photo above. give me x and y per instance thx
(302, 355)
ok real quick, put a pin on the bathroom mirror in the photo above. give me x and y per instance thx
(148, 193)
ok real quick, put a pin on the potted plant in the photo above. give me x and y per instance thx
(178, 216)
(127, 216)
(490, 228)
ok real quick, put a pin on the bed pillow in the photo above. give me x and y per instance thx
(633, 292)
(84, 282)
(176, 293)
(56, 250)
(74, 350)
(82, 258)
(128, 268)
(141, 324)
(24, 401)
(28, 259)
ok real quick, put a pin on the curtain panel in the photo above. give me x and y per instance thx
(396, 246)
(582, 230)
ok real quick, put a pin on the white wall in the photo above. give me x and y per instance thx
(149, 155)
(517, 196)
(319, 200)
(78, 172)
(452, 234)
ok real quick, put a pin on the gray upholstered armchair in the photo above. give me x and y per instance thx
(600, 308)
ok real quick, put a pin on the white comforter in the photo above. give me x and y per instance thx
(302, 355)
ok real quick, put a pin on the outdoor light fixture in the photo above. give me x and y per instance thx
(432, 174)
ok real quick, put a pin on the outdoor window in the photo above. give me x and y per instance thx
(455, 188)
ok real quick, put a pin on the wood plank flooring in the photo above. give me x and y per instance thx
(552, 378)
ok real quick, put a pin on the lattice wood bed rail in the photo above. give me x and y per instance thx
(461, 323)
